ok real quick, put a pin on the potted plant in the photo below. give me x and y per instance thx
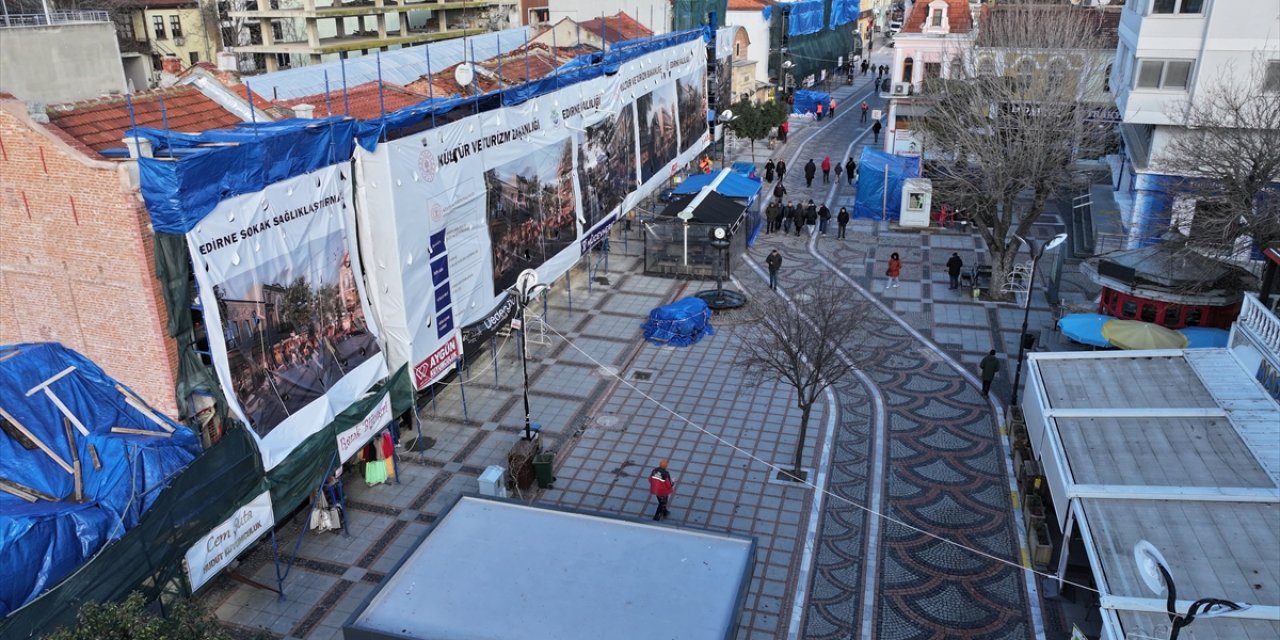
(1033, 509)
(1040, 545)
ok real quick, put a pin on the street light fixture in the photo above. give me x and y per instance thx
(524, 290)
(1036, 254)
(726, 117)
(1154, 571)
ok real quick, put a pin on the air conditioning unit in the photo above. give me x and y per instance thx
(180, 41)
(901, 89)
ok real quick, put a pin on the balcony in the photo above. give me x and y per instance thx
(355, 9)
(19, 20)
(359, 42)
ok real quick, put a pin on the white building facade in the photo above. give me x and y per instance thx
(933, 43)
(749, 14)
(1171, 53)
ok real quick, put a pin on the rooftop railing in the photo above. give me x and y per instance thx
(16, 20)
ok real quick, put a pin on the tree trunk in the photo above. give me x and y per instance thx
(804, 428)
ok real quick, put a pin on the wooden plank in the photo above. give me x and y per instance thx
(137, 403)
(38, 442)
(75, 460)
(141, 432)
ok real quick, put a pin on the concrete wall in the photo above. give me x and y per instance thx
(61, 63)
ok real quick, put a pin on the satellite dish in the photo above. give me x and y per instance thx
(1150, 561)
(463, 74)
(527, 280)
(726, 115)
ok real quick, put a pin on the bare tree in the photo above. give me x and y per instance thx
(808, 346)
(1230, 153)
(1016, 117)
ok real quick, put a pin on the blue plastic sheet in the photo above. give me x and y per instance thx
(43, 542)
(804, 17)
(806, 101)
(843, 12)
(680, 324)
(873, 167)
(734, 185)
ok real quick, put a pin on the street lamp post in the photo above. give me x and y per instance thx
(1026, 306)
(525, 289)
(1154, 571)
(725, 118)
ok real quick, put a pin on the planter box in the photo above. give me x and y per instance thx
(1040, 545)
(1033, 510)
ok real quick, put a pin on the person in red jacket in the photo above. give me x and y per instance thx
(661, 486)
(894, 270)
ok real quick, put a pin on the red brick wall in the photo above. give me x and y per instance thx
(76, 262)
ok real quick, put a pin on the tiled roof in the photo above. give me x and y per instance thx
(749, 5)
(541, 62)
(957, 16)
(616, 28)
(100, 124)
(362, 100)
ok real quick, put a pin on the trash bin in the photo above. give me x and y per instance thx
(542, 469)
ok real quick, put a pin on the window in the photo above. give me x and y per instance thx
(908, 69)
(986, 66)
(175, 26)
(1106, 78)
(194, 56)
(1148, 312)
(1193, 316)
(932, 70)
(1172, 314)
(1163, 74)
(957, 68)
(124, 29)
(1271, 81)
(935, 18)
(1057, 73)
(1025, 72)
(1128, 309)
(1177, 6)
(157, 25)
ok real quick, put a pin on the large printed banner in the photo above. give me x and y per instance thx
(276, 274)
(449, 217)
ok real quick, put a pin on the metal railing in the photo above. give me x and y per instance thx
(1262, 325)
(52, 18)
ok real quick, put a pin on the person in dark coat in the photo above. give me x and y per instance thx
(875, 130)
(775, 263)
(850, 168)
(782, 170)
(800, 217)
(788, 214)
(768, 171)
(661, 486)
(865, 65)
(810, 170)
(954, 265)
(824, 219)
(990, 365)
(842, 219)
(772, 213)
(779, 190)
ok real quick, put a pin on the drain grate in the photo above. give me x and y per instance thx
(641, 375)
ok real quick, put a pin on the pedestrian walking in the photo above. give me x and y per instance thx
(801, 216)
(865, 107)
(954, 265)
(775, 262)
(661, 486)
(785, 128)
(894, 270)
(832, 108)
(875, 130)
(779, 190)
(842, 219)
(811, 214)
(768, 170)
(884, 69)
(865, 65)
(818, 109)
(990, 365)
(782, 170)
(788, 214)
(810, 170)
(850, 168)
(839, 170)
(824, 219)
(772, 213)
(826, 170)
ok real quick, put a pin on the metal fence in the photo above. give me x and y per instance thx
(52, 18)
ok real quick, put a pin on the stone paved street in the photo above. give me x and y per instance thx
(910, 437)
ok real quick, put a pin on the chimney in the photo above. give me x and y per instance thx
(227, 61)
(171, 65)
(39, 112)
(137, 146)
(304, 111)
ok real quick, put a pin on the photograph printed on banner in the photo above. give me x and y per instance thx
(606, 165)
(656, 111)
(532, 211)
(294, 326)
(692, 91)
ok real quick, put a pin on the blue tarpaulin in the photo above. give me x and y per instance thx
(806, 100)
(804, 17)
(45, 540)
(873, 168)
(843, 12)
(680, 324)
(734, 185)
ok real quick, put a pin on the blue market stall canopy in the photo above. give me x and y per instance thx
(806, 101)
(81, 459)
(679, 324)
(734, 184)
(1085, 328)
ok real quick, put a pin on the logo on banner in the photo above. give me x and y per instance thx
(427, 165)
(436, 364)
(437, 211)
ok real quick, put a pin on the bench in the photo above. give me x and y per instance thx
(977, 277)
